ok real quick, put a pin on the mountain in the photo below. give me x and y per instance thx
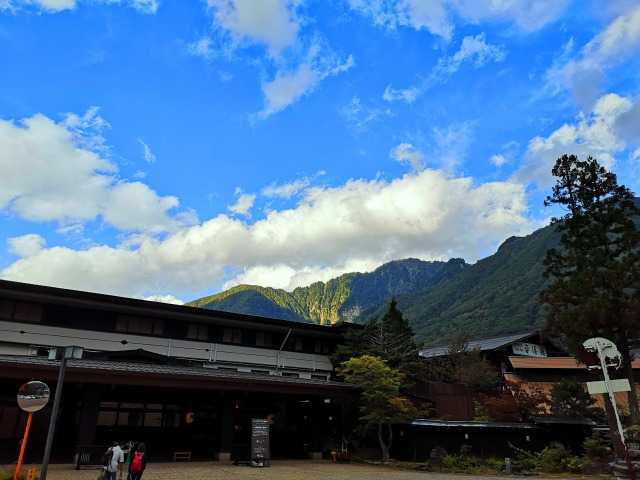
(341, 298)
(497, 295)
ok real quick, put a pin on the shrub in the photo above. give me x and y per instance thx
(553, 457)
(437, 455)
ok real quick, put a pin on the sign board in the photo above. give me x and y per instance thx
(621, 385)
(529, 349)
(259, 440)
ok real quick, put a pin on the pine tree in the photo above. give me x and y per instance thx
(595, 273)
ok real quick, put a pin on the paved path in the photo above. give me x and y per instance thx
(280, 470)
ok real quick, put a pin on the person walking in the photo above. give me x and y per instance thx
(115, 464)
(138, 462)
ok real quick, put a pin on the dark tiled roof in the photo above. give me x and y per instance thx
(174, 370)
(485, 344)
(470, 424)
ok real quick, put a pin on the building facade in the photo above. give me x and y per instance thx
(177, 378)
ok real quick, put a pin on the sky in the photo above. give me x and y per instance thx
(169, 150)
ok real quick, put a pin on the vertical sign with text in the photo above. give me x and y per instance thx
(259, 439)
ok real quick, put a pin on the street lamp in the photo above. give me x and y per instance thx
(63, 354)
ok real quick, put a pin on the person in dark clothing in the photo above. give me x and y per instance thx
(138, 462)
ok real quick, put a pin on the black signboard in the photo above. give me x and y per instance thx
(260, 442)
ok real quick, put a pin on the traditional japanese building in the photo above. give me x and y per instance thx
(181, 379)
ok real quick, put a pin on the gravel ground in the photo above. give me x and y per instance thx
(280, 470)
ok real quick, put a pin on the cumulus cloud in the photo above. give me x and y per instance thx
(269, 22)
(601, 133)
(429, 215)
(55, 172)
(407, 154)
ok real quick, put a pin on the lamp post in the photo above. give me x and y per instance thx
(62, 354)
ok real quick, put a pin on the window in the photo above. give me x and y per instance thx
(294, 343)
(147, 326)
(232, 335)
(197, 331)
(264, 340)
(319, 377)
(261, 372)
(322, 346)
(27, 312)
(289, 374)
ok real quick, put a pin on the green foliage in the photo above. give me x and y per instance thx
(596, 447)
(340, 299)
(381, 402)
(462, 365)
(390, 338)
(497, 295)
(570, 398)
(479, 412)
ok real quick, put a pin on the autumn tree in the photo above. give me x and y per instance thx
(381, 402)
(595, 272)
(461, 364)
(516, 403)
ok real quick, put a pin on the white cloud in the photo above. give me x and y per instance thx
(48, 172)
(407, 95)
(244, 204)
(452, 143)
(289, 86)
(407, 154)
(599, 133)
(54, 6)
(164, 299)
(147, 154)
(269, 22)
(498, 160)
(146, 6)
(619, 41)
(428, 215)
(286, 190)
(473, 50)
(27, 245)
(436, 16)
(360, 116)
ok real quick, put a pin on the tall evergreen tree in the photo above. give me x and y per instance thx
(390, 338)
(595, 273)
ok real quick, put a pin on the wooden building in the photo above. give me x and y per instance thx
(175, 377)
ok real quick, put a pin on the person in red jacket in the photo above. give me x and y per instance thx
(138, 462)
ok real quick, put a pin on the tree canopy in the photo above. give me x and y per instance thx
(381, 402)
(390, 338)
(595, 273)
(462, 364)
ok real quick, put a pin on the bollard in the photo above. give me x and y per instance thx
(507, 466)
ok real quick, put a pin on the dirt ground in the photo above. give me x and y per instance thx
(280, 470)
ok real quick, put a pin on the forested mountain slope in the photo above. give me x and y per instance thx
(341, 298)
(497, 295)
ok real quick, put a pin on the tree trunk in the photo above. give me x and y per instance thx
(383, 445)
(634, 408)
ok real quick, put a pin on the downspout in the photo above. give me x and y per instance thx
(281, 347)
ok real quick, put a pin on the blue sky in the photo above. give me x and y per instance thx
(169, 150)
